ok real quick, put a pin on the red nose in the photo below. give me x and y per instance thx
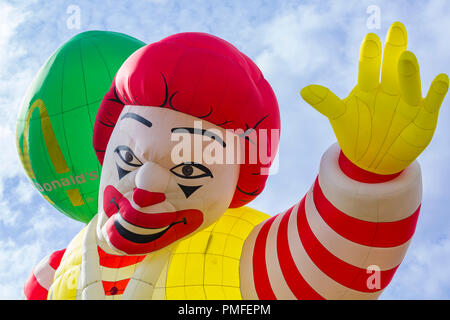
(144, 198)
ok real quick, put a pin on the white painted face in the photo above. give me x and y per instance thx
(149, 197)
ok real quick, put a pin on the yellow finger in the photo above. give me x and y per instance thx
(436, 94)
(395, 44)
(323, 100)
(409, 78)
(369, 62)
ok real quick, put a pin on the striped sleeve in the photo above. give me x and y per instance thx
(40, 280)
(344, 240)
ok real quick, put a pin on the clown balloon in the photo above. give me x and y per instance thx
(185, 136)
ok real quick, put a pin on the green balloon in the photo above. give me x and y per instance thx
(56, 119)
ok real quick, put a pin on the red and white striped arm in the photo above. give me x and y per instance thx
(40, 280)
(344, 240)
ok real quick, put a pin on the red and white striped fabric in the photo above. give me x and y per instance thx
(344, 240)
(116, 272)
(40, 280)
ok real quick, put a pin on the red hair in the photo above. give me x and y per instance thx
(203, 76)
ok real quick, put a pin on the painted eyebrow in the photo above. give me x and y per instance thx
(202, 132)
(137, 118)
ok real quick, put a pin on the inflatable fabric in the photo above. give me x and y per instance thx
(185, 135)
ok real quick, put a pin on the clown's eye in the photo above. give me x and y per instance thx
(191, 170)
(127, 156)
(126, 160)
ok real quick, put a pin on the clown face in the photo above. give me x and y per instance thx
(150, 196)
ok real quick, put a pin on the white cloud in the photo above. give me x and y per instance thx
(7, 216)
(24, 191)
(424, 274)
(15, 262)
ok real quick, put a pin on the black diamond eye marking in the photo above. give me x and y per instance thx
(122, 172)
(188, 190)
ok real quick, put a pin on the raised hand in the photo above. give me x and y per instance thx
(383, 127)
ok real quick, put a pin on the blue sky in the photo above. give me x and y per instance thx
(295, 43)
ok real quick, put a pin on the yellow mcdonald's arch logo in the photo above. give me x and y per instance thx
(53, 149)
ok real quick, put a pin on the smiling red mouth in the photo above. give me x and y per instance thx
(176, 224)
(142, 238)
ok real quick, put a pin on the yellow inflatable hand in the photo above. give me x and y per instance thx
(384, 126)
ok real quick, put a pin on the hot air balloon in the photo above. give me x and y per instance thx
(56, 119)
